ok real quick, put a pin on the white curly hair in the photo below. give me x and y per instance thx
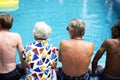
(42, 30)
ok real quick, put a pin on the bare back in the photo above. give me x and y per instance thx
(8, 44)
(113, 57)
(75, 56)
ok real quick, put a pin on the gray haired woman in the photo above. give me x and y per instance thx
(40, 56)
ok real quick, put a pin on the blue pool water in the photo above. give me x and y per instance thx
(98, 16)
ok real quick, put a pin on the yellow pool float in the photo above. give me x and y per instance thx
(8, 3)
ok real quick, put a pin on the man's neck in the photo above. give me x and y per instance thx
(4, 30)
(77, 38)
(115, 37)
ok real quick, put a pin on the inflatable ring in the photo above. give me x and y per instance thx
(8, 3)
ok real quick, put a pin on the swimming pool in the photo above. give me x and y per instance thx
(98, 16)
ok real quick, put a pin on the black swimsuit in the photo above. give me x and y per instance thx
(62, 76)
(16, 74)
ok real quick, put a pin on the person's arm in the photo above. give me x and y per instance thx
(59, 54)
(54, 61)
(62, 48)
(54, 64)
(20, 48)
(97, 57)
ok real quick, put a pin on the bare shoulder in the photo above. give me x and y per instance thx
(17, 35)
(90, 44)
(64, 42)
(114, 42)
(109, 41)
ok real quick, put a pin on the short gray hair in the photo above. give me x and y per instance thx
(78, 26)
(42, 30)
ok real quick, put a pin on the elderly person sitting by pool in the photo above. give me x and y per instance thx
(75, 54)
(40, 56)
